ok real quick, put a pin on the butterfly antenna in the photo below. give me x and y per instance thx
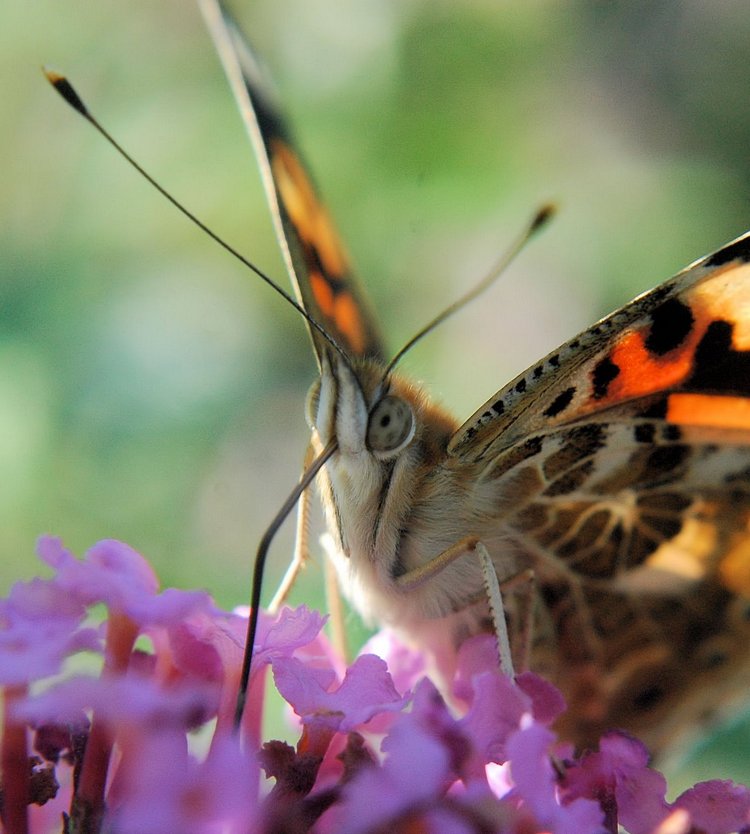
(260, 562)
(68, 92)
(540, 219)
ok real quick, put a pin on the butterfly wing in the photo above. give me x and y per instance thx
(680, 352)
(623, 463)
(314, 255)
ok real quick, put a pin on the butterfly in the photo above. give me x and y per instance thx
(610, 482)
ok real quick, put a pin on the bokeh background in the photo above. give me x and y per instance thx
(152, 391)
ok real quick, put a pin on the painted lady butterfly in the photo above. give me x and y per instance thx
(616, 470)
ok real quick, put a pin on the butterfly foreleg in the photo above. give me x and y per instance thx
(335, 610)
(419, 575)
(523, 582)
(301, 543)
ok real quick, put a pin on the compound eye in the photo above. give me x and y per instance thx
(390, 427)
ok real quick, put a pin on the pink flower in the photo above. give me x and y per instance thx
(547, 702)
(716, 807)
(367, 689)
(535, 783)
(114, 574)
(210, 647)
(405, 665)
(39, 628)
(416, 772)
(496, 711)
(171, 791)
(373, 753)
(635, 795)
(127, 702)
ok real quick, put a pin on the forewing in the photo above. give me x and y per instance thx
(680, 352)
(314, 255)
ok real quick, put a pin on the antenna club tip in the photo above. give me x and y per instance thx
(53, 76)
(66, 90)
(543, 216)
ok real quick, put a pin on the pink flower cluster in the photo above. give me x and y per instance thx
(144, 741)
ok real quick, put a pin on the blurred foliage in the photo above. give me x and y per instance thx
(152, 392)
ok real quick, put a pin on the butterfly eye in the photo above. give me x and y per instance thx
(390, 427)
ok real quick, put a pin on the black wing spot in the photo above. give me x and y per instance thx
(739, 249)
(671, 432)
(657, 410)
(644, 433)
(515, 456)
(718, 367)
(521, 386)
(560, 403)
(714, 659)
(577, 444)
(665, 459)
(602, 375)
(671, 323)
(663, 503)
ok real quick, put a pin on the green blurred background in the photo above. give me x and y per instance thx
(152, 391)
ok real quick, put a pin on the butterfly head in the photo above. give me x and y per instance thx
(364, 413)
(389, 440)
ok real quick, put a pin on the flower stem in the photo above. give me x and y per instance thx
(15, 767)
(88, 804)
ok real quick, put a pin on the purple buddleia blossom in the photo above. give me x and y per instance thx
(716, 806)
(40, 626)
(377, 746)
(536, 785)
(620, 776)
(128, 702)
(172, 791)
(114, 574)
(366, 690)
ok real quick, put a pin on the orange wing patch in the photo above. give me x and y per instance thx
(708, 410)
(349, 322)
(326, 261)
(641, 373)
(310, 219)
(695, 348)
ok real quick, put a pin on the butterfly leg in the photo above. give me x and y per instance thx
(523, 587)
(301, 543)
(335, 611)
(492, 594)
(495, 598)
(417, 576)
(299, 562)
